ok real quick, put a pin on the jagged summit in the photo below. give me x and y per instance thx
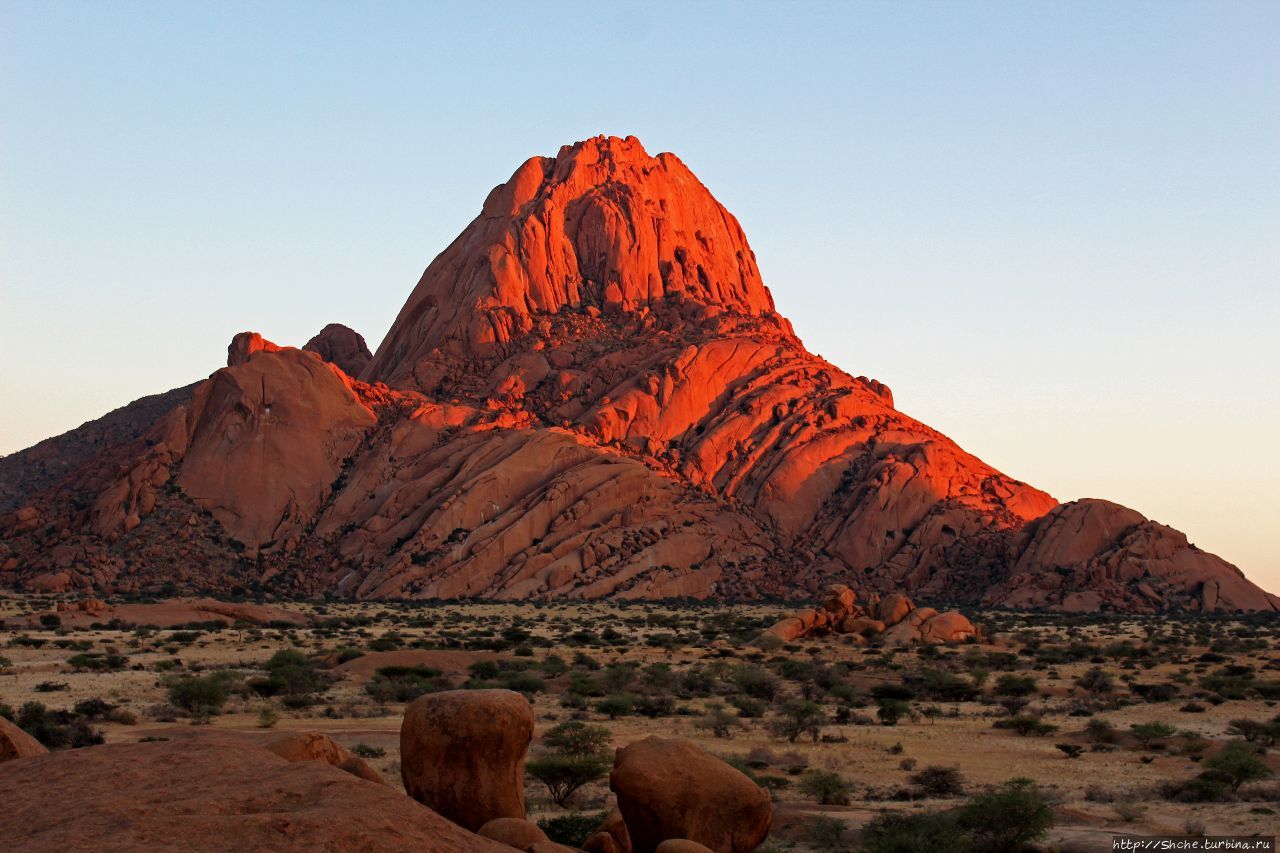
(602, 226)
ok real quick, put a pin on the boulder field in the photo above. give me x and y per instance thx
(589, 393)
(891, 620)
(462, 760)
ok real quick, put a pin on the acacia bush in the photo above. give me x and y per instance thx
(578, 755)
(938, 781)
(201, 696)
(406, 683)
(827, 787)
(57, 729)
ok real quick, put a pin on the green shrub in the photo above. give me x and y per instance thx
(1025, 725)
(202, 696)
(574, 737)
(565, 774)
(892, 710)
(56, 729)
(1149, 735)
(1235, 764)
(938, 781)
(926, 832)
(825, 832)
(828, 788)
(796, 718)
(572, 830)
(1015, 685)
(1006, 818)
(618, 705)
(405, 683)
(290, 673)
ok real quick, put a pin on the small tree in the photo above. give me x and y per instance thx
(618, 705)
(202, 696)
(1100, 731)
(1008, 817)
(892, 710)
(580, 755)
(1149, 735)
(1236, 763)
(719, 721)
(938, 781)
(1015, 685)
(565, 774)
(1265, 733)
(796, 718)
(828, 788)
(1096, 682)
(575, 737)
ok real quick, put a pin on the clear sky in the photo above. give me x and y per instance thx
(1052, 229)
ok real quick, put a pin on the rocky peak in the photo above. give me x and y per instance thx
(246, 344)
(601, 228)
(341, 346)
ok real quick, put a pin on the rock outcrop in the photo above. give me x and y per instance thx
(316, 746)
(341, 346)
(589, 393)
(462, 754)
(673, 789)
(210, 793)
(892, 620)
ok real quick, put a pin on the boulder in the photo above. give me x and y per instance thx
(861, 626)
(682, 845)
(601, 842)
(611, 835)
(840, 599)
(672, 788)
(787, 629)
(950, 627)
(893, 608)
(513, 832)
(462, 754)
(314, 746)
(16, 743)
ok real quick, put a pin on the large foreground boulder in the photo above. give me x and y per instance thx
(209, 794)
(15, 743)
(672, 788)
(462, 753)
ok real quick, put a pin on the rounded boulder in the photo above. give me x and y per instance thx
(462, 754)
(513, 832)
(670, 788)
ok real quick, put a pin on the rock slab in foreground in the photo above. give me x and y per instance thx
(209, 794)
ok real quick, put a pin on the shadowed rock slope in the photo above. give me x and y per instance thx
(588, 393)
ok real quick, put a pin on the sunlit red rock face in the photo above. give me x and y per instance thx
(590, 394)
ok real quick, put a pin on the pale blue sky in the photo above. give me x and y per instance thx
(1052, 229)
